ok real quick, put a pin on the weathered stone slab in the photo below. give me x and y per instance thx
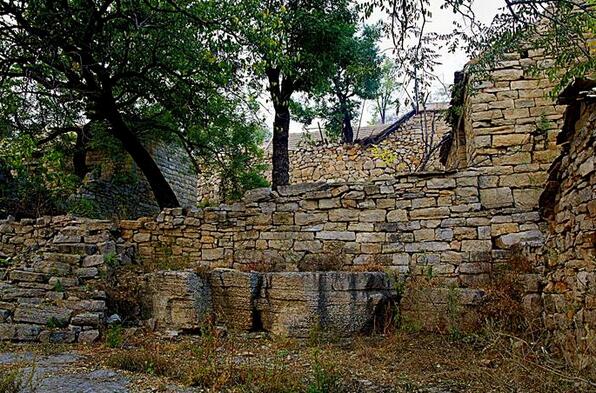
(41, 314)
(345, 303)
(19, 332)
(234, 294)
(87, 319)
(21, 275)
(179, 300)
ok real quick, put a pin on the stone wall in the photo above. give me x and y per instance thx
(400, 152)
(508, 124)
(53, 278)
(570, 207)
(511, 119)
(453, 227)
(118, 189)
(291, 304)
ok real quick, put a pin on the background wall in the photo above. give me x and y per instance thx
(118, 189)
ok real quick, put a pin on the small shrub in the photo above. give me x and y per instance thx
(453, 314)
(55, 323)
(324, 379)
(84, 207)
(58, 287)
(115, 336)
(111, 259)
(503, 302)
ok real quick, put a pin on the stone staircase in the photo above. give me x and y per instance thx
(52, 292)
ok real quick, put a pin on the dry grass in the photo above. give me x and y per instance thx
(400, 362)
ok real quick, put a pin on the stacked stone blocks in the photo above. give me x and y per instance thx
(51, 290)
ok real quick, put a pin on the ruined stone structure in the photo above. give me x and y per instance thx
(569, 204)
(118, 189)
(453, 231)
(508, 126)
(291, 304)
(379, 152)
(52, 285)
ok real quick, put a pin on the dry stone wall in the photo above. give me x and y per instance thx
(52, 278)
(451, 226)
(509, 125)
(401, 152)
(570, 206)
(118, 189)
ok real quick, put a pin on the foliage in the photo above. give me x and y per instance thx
(115, 336)
(562, 28)
(294, 45)
(234, 152)
(325, 379)
(387, 105)
(356, 77)
(55, 323)
(84, 207)
(58, 287)
(111, 259)
(33, 183)
(117, 74)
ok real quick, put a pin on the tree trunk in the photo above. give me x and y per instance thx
(347, 130)
(79, 158)
(164, 195)
(280, 92)
(281, 157)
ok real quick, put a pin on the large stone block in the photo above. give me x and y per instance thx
(42, 314)
(496, 197)
(336, 235)
(234, 294)
(179, 300)
(295, 304)
(532, 238)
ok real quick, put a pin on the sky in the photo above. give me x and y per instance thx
(442, 22)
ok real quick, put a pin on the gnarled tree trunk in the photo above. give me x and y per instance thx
(164, 195)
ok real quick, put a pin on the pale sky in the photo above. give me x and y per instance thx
(442, 22)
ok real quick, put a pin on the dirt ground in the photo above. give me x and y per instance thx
(216, 361)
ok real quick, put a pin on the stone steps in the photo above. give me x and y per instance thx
(49, 294)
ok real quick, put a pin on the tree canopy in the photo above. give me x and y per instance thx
(356, 77)
(139, 70)
(293, 44)
(136, 72)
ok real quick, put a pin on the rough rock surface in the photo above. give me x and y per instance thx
(51, 290)
(179, 299)
(344, 303)
(291, 303)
